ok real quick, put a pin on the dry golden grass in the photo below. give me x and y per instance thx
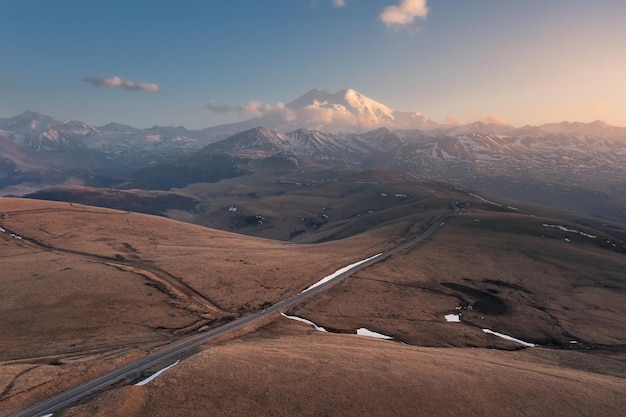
(284, 371)
(86, 283)
(135, 281)
(237, 273)
(313, 205)
(554, 291)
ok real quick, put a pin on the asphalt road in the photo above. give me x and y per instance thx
(73, 395)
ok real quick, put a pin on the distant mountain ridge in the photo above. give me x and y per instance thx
(346, 111)
(37, 151)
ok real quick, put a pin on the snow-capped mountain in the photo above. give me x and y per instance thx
(40, 132)
(113, 141)
(453, 154)
(340, 129)
(304, 144)
(344, 111)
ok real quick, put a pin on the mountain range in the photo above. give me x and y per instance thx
(567, 163)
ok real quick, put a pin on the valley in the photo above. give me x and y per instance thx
(297, 269)
(320, 208)
(146, 281)
(575, 167)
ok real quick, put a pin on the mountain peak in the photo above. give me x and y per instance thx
(32, 115)
(308, 98)
(344, 111)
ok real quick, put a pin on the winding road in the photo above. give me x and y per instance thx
(73, 395)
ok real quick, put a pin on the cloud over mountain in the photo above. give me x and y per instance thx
(122, 83)
(320, 110)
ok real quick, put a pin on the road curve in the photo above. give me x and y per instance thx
(75, 394)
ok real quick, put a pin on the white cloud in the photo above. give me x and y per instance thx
(452, 119)
(121, 83)
(339, 3)
(596, 107)
(252, 108)
(404, 13)
(317, 115)
(256, 108)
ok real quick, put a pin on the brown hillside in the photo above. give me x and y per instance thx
(505, 271)
(283, 372)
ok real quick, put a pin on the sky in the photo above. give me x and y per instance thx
(166, 62)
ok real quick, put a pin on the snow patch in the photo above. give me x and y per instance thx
(453, 318)
(13, 235)
(364, 332)
(339, 272)
(232, 208)
(309, 322)
(153, 376)
(504, 336)
(565, 229)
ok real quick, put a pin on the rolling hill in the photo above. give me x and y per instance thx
(119, 284)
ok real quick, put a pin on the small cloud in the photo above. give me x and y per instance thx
(220, 108)
(596, 107)
(494, 119)
(404, 13)
(339, 3)
(256, 108)
(251, 108)
(453, 120)
(315, 115)
(121, 83)
(469, 117)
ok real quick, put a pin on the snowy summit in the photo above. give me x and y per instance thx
(346, 110)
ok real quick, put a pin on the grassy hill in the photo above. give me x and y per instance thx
(91, 288)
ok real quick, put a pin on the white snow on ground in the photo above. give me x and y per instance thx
(153, 376)
(565, 229)
(309, 322)
(339, 272)
(364, 332)
(521, 342)
(13, 235)
(232, 208)
(453, 318)
(484, 199)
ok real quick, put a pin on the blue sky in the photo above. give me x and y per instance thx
(523, 62)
